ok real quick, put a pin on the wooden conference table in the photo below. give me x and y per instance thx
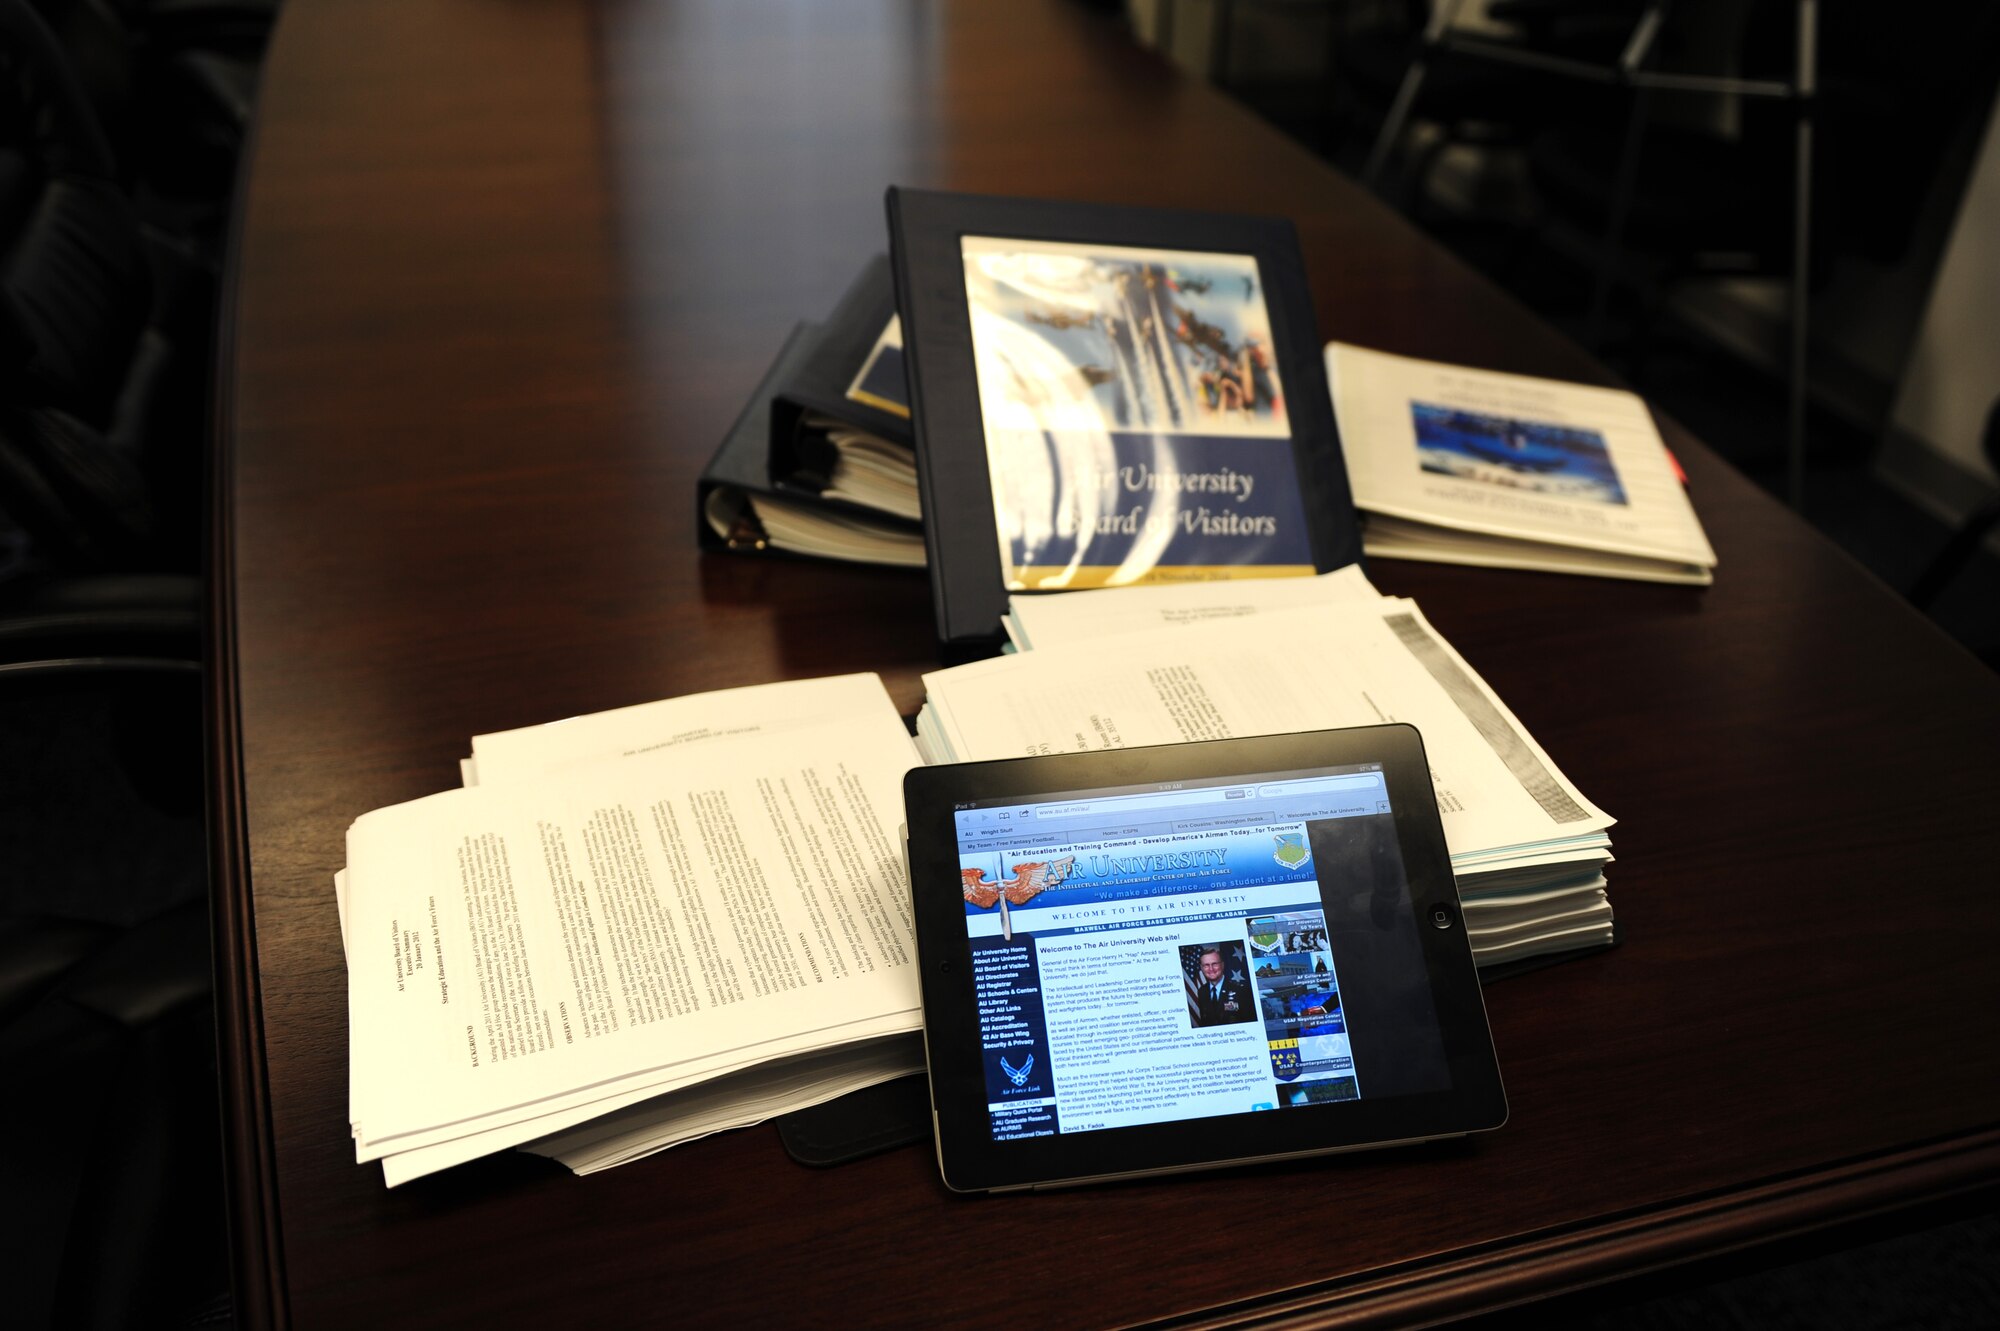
(507, 271)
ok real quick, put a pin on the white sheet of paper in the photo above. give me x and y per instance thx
(1341, 665)
(422, 1153)
(1394, 538)
(751, 1092)
(1543, 944)
(510, 945)
(1035, 622)
(756, 1095)
(628, 732)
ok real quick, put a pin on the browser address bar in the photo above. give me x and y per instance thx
(1114, 804)
(1120, 803)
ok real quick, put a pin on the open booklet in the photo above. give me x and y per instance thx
(633, 928)
(1464, 466)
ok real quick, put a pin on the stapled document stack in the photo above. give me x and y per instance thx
(636, 928)
(1157, 665)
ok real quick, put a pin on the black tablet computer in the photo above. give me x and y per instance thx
(1170, 958)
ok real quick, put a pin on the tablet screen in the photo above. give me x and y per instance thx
(1183, 950)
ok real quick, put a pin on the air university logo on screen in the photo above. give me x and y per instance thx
(1291, 852)
(1285, 1059)
(1029, 881)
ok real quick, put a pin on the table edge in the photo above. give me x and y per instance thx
(1610, 1249)
(256, 1260)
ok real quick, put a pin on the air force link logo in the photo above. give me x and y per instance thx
(1291, 851)
(1019, 1076)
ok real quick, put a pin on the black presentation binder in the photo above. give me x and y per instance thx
(741, 466)
(739, 475)
(841, 377)
(765, 488)
(1158, 394)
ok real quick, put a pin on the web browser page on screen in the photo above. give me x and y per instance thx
(1157, 953)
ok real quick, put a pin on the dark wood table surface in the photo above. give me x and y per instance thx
(507, 270)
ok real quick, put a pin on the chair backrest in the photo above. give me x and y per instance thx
(75, 289)
(76, 298)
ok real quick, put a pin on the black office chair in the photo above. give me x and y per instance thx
(112, 1179)
(1844, 126)
(101, 404)
(1606, 165)
(1959, 549)
(1653, 198)
(172, 83)
(112, 1175)
(1476, 87)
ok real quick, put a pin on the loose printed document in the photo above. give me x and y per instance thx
(1047, 621)
(1531, 884)
(1345, 665)
(526, 955)
(531, 752)
(1470, 466)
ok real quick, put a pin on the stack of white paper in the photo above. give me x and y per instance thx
(870, 470)
(1158, 665)
(1464, 466)
(636, 928)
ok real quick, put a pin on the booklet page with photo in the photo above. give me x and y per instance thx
(1473, 466)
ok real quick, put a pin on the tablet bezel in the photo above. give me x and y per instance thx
(968, 1156)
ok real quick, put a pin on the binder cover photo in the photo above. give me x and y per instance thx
(1108, 396)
